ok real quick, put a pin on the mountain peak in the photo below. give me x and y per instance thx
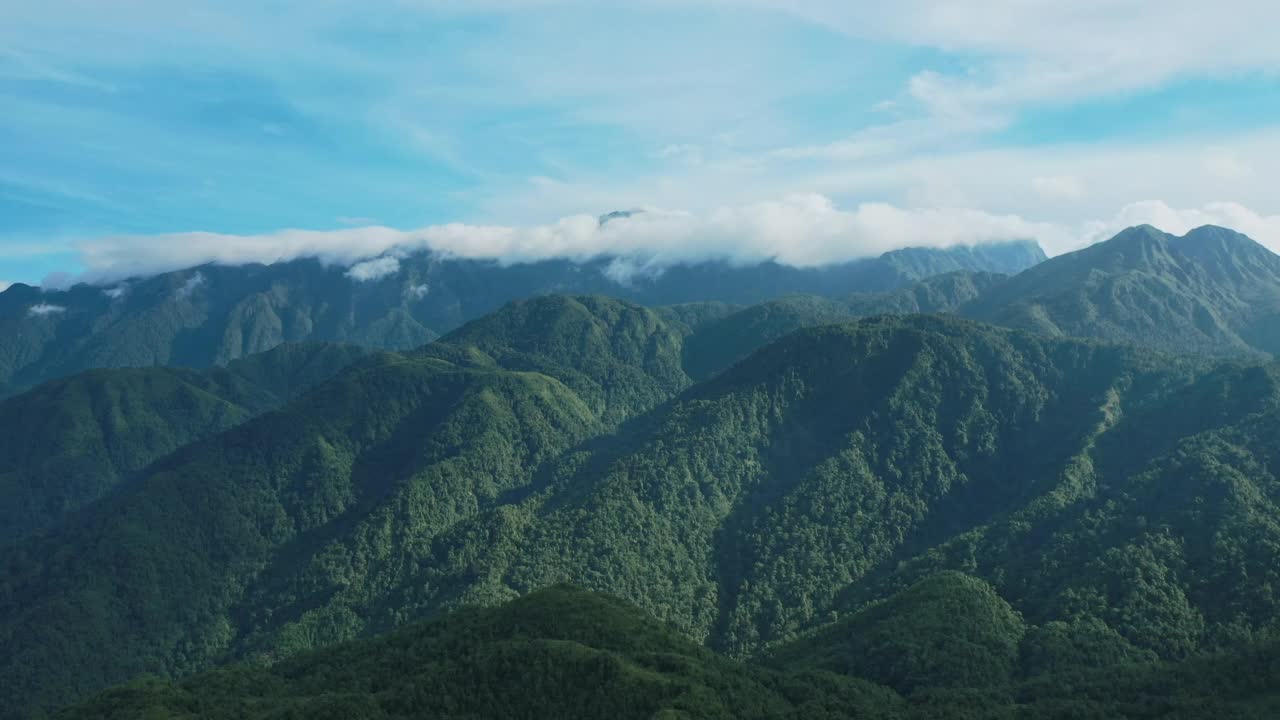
(1208, 239)
(618, 215)
(1228, 256)
(1133, 247)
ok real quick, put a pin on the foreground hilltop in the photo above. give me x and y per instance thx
(565, 653)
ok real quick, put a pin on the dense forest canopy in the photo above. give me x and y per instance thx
(1048, 493)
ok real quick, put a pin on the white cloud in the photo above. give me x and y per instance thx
(682, 152)
(5, 285)
(1058, 187)
(189, 286)
(1048, 50)
(1263, 228)
(418, 292)
(44, 309)
(375, 269)
(625, 271)
(116, 292)
(1227, 164)
(801, 230)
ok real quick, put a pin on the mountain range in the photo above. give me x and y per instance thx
(871, 504)
(1211, 291)
(210, 315)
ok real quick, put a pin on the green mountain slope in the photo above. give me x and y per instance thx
(67, 443)
(621, 359)
(1126, 496)
(558, 653)
(947, 631)
(238, 544)
(773, 489)
(719, 342)
(1212, 291)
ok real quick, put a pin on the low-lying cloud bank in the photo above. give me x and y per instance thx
(43, 309)
(799, 230)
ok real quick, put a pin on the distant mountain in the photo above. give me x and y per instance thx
(1094, 497)
(1212, 291)
(213, 314)
(68, 442)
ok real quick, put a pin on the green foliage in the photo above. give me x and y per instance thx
(621, 359)
(561, 652)
(722, 341)
(946, 631)
(558, 653)
(842, 474)
(69, 442)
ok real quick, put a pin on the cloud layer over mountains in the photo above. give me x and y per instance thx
(800, 230)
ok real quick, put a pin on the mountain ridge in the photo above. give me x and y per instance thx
(211, 314)
(1211, 291)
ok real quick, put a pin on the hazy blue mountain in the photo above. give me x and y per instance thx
(213, 314)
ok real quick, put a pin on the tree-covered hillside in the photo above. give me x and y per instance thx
(68, 442)
(1091, 486)
(717, 342)
(564, 653)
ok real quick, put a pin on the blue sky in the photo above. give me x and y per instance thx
(124, 128)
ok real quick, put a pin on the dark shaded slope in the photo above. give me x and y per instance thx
(558, 652)
(564, 653)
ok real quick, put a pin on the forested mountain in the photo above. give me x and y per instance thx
(721, 340)
(1099, 497)
(1211, 291)
(66, 443)
(565, 653)
(213, 314)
